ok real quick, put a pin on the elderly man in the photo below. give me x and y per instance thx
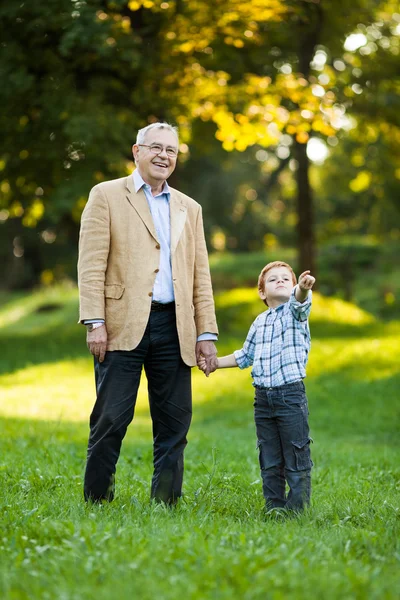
(146, 300)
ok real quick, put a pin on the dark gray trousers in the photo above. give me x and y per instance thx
(281, 417)
(170, 398)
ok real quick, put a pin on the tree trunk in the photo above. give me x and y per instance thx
(305, 213)
(309, 33)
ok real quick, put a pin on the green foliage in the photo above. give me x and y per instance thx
(218, 543)
(258, 78)
(356, 187)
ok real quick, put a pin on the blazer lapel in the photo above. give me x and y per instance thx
(139, 202)
(177, 212)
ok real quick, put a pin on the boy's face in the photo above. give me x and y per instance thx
(278, 285)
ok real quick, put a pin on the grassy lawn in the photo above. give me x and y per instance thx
(218, 543)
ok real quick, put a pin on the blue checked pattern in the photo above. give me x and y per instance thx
(278, 344)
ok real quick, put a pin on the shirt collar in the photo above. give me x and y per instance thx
(139, 182)
(278, 308)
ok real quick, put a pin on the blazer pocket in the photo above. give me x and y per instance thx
(114, 291)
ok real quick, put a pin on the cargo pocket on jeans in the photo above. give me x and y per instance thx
(302, 455)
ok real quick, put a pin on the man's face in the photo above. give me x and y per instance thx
(156, 167)
(278, 285)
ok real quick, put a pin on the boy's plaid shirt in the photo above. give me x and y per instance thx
(278, 344)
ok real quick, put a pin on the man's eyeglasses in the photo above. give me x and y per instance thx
(157, 149)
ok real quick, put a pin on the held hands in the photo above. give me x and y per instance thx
(201, 363)
(306, 281)
(96, 341)
(206, 357)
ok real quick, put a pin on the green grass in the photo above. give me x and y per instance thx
(218, 543)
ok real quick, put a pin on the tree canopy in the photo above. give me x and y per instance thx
(250, 85)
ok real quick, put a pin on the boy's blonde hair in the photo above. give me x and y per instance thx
(266, 269)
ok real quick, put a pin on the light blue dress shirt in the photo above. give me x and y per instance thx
(163, 290)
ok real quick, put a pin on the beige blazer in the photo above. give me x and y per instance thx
(119, 255)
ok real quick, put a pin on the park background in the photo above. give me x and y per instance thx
(289, 117)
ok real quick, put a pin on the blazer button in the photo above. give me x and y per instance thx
(150, 293)
(158, 246)
(156, 271)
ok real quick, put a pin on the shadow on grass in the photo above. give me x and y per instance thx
(50, 346)
(339, 408)
(55, 344)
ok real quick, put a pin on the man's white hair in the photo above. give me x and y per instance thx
(143, 132)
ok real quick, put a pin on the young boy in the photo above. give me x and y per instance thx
(277, 346)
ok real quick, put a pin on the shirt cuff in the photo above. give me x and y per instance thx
(301, 310)
(87, 321)
(305, 302)
(204, 337)
(241, 359)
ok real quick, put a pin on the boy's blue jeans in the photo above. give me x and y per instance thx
(281, 417)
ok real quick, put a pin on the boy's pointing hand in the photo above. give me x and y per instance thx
(306, 281)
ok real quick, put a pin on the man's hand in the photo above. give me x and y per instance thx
(97, 342)
(208, 351)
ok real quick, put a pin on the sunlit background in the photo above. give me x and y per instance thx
(288, 116)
